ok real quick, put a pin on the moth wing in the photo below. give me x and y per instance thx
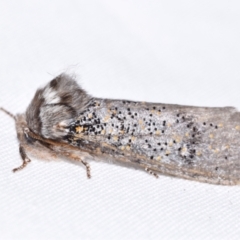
(184, 141)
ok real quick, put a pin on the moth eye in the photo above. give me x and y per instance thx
(26, 130)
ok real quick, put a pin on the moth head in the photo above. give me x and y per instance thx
(20, 123)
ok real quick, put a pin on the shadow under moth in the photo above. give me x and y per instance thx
(197, 143)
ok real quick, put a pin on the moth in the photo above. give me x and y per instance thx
(196, 143)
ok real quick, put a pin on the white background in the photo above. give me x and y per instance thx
(185, 52)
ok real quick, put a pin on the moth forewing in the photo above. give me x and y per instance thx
(189, 142)
(196, 143)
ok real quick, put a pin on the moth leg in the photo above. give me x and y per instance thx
(88, 169)
(151, 172)
(76, 158)
(85, 164)
(24, 157)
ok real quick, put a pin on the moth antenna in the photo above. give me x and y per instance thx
(8, 113)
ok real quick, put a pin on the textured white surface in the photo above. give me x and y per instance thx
(184, 52)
